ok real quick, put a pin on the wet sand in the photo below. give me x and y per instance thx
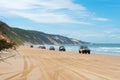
(38, 64)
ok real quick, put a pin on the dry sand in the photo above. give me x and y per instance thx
(37, 64)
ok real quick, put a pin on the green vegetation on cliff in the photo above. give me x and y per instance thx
(21, 36)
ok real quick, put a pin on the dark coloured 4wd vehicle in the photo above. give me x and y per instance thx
(51, 48)
(84, 50)
(62, 48)
(42, 47)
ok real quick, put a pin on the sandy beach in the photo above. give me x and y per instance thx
(38, 64)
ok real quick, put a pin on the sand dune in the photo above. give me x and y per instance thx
(37, 64)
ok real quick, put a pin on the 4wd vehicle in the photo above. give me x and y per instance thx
(84, 50)
(62, 48)
(51, 48)
(42, 47)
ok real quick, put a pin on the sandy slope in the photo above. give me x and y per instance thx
(36, 64)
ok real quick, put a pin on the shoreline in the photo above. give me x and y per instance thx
(110, 50)
(38, 64)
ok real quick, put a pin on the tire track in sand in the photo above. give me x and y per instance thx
(59, 73)
(28, 67)
(66, 67)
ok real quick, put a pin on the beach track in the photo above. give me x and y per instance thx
(37, 64)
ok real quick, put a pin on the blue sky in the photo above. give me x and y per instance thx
(88, 20)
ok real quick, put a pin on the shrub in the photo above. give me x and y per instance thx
(6, 45)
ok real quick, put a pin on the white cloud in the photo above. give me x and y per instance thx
(58, 4)
(48, 18)
(44, 17)
(48, 11)
(14, 5)
(101, 19)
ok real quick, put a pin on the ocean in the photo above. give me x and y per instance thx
(109, 49)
